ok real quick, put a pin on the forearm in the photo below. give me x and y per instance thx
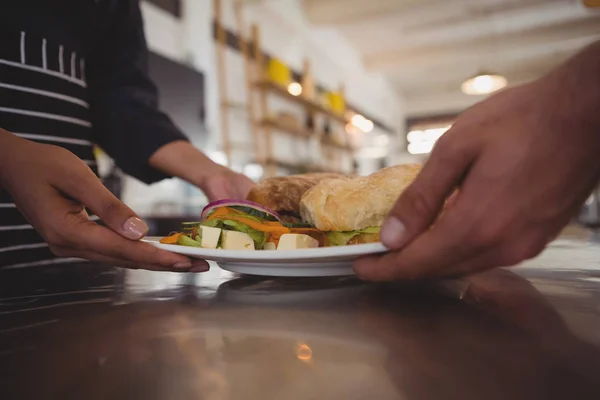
(183, 160)
(576, 88)
(7, 140)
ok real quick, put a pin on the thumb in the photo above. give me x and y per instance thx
(419, 205)
(90, 191)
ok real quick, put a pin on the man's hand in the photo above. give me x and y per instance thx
(51, 187)
(183, 160)
(525, 160)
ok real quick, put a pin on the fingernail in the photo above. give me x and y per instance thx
(392, 232)
(200, 268)
(183, 265)
(135, 228)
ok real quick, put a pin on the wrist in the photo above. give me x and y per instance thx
(183, 160)
(574, 88)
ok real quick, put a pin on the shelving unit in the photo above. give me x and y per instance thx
(268, 126)
(264, 125)
(310, 105)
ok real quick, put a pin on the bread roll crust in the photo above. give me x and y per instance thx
(283, 193)
(356, 203)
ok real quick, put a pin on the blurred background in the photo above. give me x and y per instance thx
(274, 87)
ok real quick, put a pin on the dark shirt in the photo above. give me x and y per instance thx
(74, 73)
(109, 35)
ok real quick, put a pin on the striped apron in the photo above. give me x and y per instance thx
(43, 98)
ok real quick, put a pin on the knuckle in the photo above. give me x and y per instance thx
(449, 148)
(60, 251)
(60, 152)
(484, 238)
(109, 208)
(62, 234)
(447, 145)
(417, 200)
(522, 250)
(56, 238)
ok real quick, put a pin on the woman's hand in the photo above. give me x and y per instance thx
(525, 160)
(182, 159)
(226, 184)
(51, 187)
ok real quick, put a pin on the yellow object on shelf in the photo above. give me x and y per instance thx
(279, 72)
(336, 102)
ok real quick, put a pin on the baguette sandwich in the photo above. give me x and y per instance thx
(283, 193)
(352, 210)
(325, 210)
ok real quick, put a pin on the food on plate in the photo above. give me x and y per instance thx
(210, 236)
(335, 210)
(294, 241)
(270, 246)
(243, 225)
(351, 211)
(233, 240)
(283, 193)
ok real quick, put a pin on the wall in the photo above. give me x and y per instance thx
(286, 34)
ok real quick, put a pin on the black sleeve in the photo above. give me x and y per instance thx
(124, 101)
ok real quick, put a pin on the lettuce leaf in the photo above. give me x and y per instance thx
(213, 223)
(336, 238)
(259, 237)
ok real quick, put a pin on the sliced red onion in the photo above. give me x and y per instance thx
(240, 203)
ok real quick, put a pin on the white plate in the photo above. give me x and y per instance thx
(323, 261)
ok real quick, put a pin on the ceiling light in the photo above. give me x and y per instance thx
(483, 83)
(426, 135)
(304, 352)
(414, 136)
(422, 141)
(357, 119)
(295, 89)
(420, 147)
(365, 125)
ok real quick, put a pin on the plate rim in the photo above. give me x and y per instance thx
(320, 253)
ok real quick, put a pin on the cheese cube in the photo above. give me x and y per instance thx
(210, 237)
(270, 246)
(293, 241)
(236, 241)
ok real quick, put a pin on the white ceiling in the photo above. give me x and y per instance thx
(426, 48)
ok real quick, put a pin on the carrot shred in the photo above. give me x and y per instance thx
(172, 239)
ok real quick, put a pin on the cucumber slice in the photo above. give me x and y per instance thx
(253, 212)
(188, 241)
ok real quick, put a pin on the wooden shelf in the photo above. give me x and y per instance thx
(311, 105)
(328, 141)
(289, 129)
(302, 167)
(303, 133)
